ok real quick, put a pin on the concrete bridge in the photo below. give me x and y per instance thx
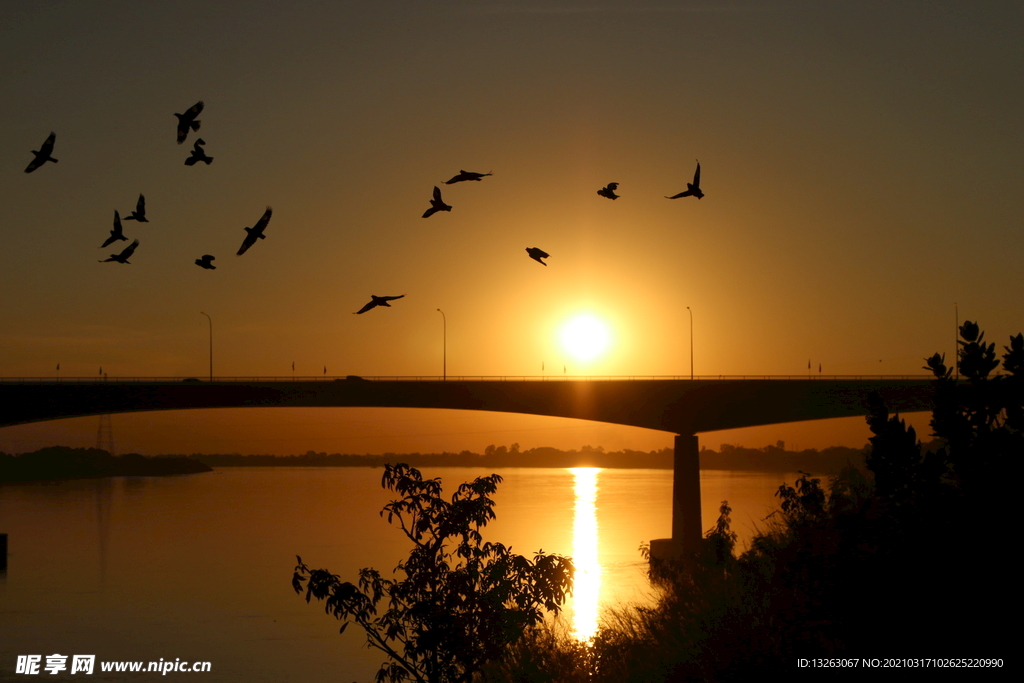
(682, 406)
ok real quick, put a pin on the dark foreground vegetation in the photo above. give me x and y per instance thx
(60, 462)
(908, 559)
(458, 602)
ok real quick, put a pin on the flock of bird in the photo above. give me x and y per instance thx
(188, 122)
(537, 254)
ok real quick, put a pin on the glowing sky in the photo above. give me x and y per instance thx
(861, 165)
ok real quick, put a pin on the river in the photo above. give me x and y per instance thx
(198, 567)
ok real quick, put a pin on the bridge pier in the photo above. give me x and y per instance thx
(686, 521)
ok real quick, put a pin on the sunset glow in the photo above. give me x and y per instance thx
(585, 337)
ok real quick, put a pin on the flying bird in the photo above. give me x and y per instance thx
(377, 301)
(436, 204)
(537, 254)
(198, 154)
(115, 232)
(255, 232)
(43, 155)
(465, 175)
(692, 189)
(188, 120)
(124, 255)
(139, 214)
(205, 262)
(609, 191)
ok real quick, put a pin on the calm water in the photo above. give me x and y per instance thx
(199, 567)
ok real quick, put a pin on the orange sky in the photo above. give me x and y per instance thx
(861, 168)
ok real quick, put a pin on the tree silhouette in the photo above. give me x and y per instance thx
(947, 509)
(895, 454)
(980, 420)
(462, 601)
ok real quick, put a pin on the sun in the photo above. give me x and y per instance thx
(585, 337)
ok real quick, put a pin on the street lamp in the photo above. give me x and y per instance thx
(444, 345)
(691, 343)
(211, 342)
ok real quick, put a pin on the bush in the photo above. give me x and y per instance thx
(462, 603)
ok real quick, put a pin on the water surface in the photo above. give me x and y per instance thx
(198, 567)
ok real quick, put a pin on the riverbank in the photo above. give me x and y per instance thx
(59, 462)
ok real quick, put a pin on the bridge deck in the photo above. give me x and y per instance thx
(452, 378)
(682, 406)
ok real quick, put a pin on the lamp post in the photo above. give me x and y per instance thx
(691, 343)
(956, 339)
(444, 346)
(211, 342)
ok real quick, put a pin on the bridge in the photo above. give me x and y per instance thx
(684, 407)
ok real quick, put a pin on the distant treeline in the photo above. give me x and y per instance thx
(492, 457)
(777, 459)
(770, 459)
(60, 462)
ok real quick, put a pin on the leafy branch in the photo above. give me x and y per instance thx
(462, 601)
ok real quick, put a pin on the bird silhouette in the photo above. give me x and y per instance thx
(378, 301)
(205, 262)
(609, 191)
(188, 120)
(255, 232)
(692, 189)
(537, 254)
(198, 154)
(124, 255)
(465, 175)
(139, 214)
(43, 155)
(115, 233)
(436, 204)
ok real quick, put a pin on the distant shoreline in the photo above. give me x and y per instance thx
(767, 459)
(58, 463)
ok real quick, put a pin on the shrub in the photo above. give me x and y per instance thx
(462, 602)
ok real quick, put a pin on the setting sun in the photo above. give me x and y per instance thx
(585, 337)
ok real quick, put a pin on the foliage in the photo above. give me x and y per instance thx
(548, 654)
(462, 602)
(980, 420)
(895, 453)
(720, 540)
(804, 501)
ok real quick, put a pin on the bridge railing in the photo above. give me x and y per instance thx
(430, 378)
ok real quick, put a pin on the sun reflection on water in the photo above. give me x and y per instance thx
(587, 584)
